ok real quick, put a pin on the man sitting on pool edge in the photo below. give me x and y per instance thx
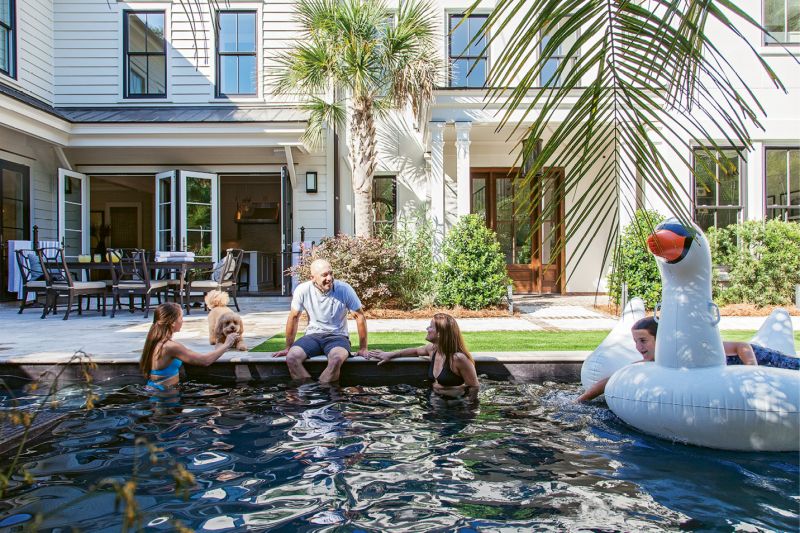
(327, 303)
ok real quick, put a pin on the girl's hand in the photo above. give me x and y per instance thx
(381, 356)
(231, 340)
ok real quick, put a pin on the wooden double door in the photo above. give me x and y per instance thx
(535, 259)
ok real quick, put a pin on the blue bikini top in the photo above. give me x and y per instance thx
(169, 371)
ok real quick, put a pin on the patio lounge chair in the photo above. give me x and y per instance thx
(223, 277)
(32, 278)
(60, 283)
(130, 276)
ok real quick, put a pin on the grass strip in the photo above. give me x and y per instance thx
(495, 341)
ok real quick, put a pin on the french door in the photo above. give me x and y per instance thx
(535, 259)
(73, 212)
(187, 213)
(14, 217)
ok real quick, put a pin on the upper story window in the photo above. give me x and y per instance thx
(384, 202)
(550, 77)
(468, 57)
(236, 53)
(717, 188)
(8, 39)
(145, 54)
(783, 183)
(782, 21)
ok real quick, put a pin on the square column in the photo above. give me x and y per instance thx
(753, 193)
(462, 168)
(436, 184)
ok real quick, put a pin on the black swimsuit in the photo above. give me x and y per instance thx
(446, 378)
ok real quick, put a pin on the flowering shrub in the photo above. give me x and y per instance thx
(366, 263)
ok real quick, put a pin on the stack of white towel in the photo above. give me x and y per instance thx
(162, 257)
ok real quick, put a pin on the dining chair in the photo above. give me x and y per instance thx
(32, 278)
(224, 277)
(130, 276)
(60, 283)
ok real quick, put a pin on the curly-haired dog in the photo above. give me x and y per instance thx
(222, 321)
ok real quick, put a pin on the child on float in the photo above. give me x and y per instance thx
(644, 333)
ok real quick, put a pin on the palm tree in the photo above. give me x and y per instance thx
(629, 85)
(355, 63)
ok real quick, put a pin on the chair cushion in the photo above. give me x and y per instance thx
(36, 284)
(210, 284)
(132, 285)
(81, 285)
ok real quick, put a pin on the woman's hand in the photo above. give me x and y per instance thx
(380, 355)
(230, 340)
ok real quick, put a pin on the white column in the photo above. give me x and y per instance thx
(627, 185)
(462, 167)
(436, 183)
(753, 184)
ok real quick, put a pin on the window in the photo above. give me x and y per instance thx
(145, 55)
(384, 201)
(549, 76)
(468, 58)
(782, 21)
(8, 40)
(236, 53)
(717, 190)
(783, 183)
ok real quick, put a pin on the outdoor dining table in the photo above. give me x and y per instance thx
(181, 268)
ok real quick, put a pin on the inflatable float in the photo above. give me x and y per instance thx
(616, 350)
(688, 394)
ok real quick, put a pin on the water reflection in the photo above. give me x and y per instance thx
(311, 457)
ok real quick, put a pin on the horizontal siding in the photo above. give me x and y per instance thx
(35, 48)
(87, 41)
(86, 36)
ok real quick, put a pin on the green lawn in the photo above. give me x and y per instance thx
(495, 341)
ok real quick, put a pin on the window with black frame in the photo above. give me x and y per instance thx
(8, 40)
(550, 76)
(145, 53)
(236, 53)
(468, 57)
(384, 202)
(717, 188)
(782, 187)
(782, 21)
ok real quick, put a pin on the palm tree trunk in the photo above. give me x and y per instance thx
(363, 157)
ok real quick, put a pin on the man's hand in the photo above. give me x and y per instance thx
(363, 352)
(281, 353)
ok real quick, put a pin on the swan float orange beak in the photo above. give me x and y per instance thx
(670, 241)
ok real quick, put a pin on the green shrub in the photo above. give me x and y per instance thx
(413, 283)
(363, 262)
(472, 273)
(634, 264)
(763, 261)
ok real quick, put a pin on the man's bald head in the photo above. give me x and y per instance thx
(322, 274)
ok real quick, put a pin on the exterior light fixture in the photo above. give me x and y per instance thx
(311, 182)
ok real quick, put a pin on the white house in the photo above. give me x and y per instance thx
(137, 118)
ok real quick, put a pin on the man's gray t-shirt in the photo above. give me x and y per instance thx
(327, 312)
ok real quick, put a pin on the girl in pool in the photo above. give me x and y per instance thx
(451, 368)
(644, 333)
(162, 357)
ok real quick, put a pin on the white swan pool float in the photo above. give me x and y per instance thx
(616, 350)
(688, 393)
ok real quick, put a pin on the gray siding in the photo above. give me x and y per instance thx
(34, 49)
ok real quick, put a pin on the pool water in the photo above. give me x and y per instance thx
(379, 458)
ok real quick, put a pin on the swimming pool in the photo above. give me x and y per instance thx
(378, 458)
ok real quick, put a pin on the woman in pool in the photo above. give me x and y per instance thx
(644, 333)
(451, 368)
(162, 357)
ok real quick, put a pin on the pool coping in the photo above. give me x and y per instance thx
(561, 366)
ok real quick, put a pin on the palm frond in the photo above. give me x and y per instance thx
(637, 87)
(321, 113)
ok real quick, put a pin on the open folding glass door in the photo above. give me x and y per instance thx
(198, 219)
(166, 200)
(73, 212)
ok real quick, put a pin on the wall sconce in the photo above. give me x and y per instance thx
(311, 182)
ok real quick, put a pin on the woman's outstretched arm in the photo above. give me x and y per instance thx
(179, 351)
(383, 357)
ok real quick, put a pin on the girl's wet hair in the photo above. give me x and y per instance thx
(450, 339)
(647, 323)
(164, 319)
